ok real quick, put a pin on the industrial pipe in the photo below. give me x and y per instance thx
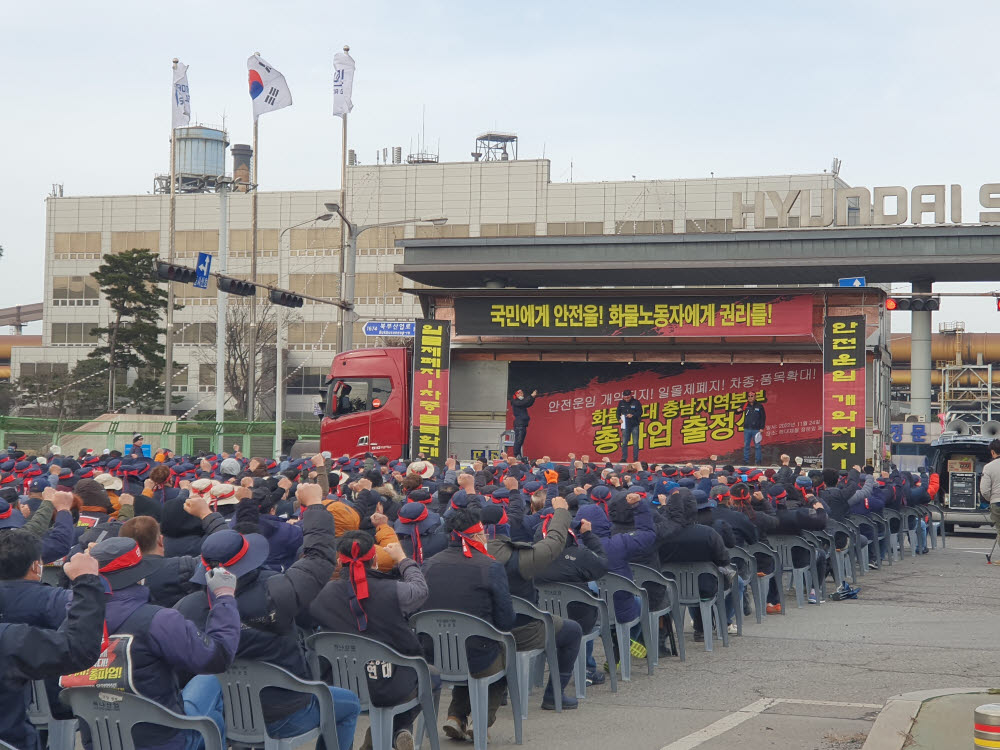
(944, 347)
(903, 378)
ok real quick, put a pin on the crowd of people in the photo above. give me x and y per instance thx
(204, 559)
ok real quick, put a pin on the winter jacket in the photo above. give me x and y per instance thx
(171, 581)
(520, 406)
(284, 540)
(268, 604)
(846, 499)
(46, 649)
(754, 416)
(391, 600)
(691, 541)
(739, 529)
(623, 548)
(167, 646)
(476, 585)
(631, 410)
(622, 516)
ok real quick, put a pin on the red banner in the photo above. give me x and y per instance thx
(688, 412)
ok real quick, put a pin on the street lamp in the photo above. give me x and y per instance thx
(345, 333)
(279, 343)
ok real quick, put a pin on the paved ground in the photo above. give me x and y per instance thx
(947, 721)
(813, 679)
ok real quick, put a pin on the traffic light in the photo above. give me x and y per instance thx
(170, 272)
(236, 286)
(286, 299)
(915, 304)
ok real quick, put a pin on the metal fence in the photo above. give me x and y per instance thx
(254, 438)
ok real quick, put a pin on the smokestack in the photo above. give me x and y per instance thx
(242, 162)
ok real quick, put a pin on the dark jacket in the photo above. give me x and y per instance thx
(581, 561)
(623, 521)
(390, 602)
(268, 604)
(171, 581)
(737, 524)
(171, 645)
(622, 548)
(844, 500)
(520, 406)
(692, 542)
(631, 410)
(35, 652)
(754, 416)
(476, 585)
(284, 539)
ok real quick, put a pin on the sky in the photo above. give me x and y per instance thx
(904, 93)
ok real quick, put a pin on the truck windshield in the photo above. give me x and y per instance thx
(357, 395)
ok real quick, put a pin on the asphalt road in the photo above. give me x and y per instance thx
(813, 679)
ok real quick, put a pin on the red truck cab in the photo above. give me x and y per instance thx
(367, 404)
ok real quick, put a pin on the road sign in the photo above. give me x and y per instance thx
(855, 281)
(390, 328)
(203, 268)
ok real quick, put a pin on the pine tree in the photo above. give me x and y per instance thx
(131, 339)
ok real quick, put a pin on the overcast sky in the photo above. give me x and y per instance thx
(905, 93)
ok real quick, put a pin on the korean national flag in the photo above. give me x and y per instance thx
(268, 89)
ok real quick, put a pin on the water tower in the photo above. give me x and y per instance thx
(199, 160)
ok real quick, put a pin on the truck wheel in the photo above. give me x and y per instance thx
(949, 528)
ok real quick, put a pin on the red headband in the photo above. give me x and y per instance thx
(233, 560)
(780, 496)
(129, 560)
(468, 541)
(418, 547)
(6, 514)
(359, 581)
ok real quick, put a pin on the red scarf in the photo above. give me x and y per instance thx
(418, 547)
(359, 582)
(468, 542)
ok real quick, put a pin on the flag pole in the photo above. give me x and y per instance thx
(168, 349)
(342, 323)
(252, 346)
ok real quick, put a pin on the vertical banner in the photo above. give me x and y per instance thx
(844, 391)
(431, 371)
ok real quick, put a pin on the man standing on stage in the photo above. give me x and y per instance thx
(629, 415)
(519, 405)
(754, 421)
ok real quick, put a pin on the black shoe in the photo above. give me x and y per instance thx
(595, 678)
(549, 703)
(698, 636)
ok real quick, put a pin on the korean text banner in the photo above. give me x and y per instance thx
(689, 413)
(431, 365)
(844, 404)
(634, 316)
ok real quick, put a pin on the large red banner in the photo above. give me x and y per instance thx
(688, 412)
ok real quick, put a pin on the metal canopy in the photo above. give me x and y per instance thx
(798, 256)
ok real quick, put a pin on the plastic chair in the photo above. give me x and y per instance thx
(783, 545)
(348, 654)
(111, 715)
(62, 732)
(884, 536)
(686, 577)
(556, 598)
(449, 631)
(818, 540)
(763, 580)
(895, 538)
(741, 553)
(645, 575)
(525, 658)
(607, 587)
(935, 527)
(859, 552)
(241, 686)
(843, 558)
(908, 533)
(856, 521)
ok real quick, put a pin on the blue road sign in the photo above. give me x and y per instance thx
(390, 328)
(203, 268)
(855, 281)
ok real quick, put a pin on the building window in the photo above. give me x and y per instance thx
(325, 285)
(188, 244)
(77, 245)
(380, 237)
(179, 379)
(73, 333)
(75, 291)
(43, 370)
(574, 228)
(378, 289)
(194, 333)
(309, 381)
(312, 335)
(239, 243)
(206, 378)
(189, 294)
(315, 238)
(122, 242)
(647, 226)
(523, 229)
(430, 231)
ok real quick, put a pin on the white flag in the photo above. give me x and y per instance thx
(268, 88)
(182, 97)
(343, 83)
